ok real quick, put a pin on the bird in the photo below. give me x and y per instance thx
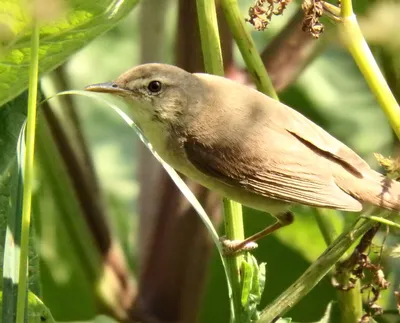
(246, 146)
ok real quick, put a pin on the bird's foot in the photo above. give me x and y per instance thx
(234, 247)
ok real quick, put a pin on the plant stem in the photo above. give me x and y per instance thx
(314, 273)
(233, 216)
(354, 40)
(234, 231)
(28, 173)
(350, 301)
(346, 8)
(263, 82)
(247, 47)
(210, 43)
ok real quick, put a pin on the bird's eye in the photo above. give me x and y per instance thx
(154, 86)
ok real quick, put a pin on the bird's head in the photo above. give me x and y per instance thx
(159, 92)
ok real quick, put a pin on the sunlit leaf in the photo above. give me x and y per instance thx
(76, 23)
(37, 311)
(327, 315)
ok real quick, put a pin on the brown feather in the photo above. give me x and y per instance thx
(247, 146)
(284, 181)
(272, 150)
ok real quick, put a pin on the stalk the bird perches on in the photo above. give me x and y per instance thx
(246, 146)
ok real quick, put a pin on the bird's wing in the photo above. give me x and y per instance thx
(293, 179)
(270, 149)
(317, 138)
(295, 161)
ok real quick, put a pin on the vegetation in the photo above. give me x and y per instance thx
(93, 229)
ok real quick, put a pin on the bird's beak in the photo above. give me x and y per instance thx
(108, 87)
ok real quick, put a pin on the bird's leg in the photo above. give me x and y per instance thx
(232, 247)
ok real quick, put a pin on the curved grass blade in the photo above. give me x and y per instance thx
(171, 172)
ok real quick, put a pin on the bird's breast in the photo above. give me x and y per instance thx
(169, 146)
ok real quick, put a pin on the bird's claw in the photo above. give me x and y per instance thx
(234, 247)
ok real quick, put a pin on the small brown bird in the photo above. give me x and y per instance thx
(246, 146)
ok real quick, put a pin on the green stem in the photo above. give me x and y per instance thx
(247, 47)
(381, 220)
(350, 301)
(264, 84)
(233, 218)
(210, 43)
(354, 40)
(234, 231)
(314, 273)
(346, 8)
(28, 173)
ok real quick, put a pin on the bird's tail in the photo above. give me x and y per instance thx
(376, 189)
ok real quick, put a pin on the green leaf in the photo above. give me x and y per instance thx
(79, 23)
(12, 118)
(253, 280)
(37, 311)
(262, 277)
(247, 282)
(327, 315)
